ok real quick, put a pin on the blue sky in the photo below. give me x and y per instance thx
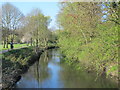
(48, 8)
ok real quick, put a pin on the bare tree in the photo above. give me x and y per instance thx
(11, 20)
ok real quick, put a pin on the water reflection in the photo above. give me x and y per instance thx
(81, 79)
(49, 72)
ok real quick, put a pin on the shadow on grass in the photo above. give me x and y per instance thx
(15, 63)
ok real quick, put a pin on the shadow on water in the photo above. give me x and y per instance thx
(49, 72)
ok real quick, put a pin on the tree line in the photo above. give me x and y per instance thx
(88, 35)
(18, 28)
(88, 32)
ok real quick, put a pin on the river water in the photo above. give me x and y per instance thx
(50, 72)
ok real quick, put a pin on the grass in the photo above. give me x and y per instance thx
(15, 46)
(18, 55)
(14, 63)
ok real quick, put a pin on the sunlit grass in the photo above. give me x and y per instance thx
(15, 46)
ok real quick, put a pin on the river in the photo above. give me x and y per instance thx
(51, 72)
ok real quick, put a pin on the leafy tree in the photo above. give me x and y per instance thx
(36, 27)
(89, 35)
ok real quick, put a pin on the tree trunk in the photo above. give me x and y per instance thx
(104, 70)
(36, 42)
(7, 42)
(4, 43)
(45, 41)
(31, 41)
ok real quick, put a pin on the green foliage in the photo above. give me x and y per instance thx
(112, 69)
(86, 39)
(36, 29)
(16, 58)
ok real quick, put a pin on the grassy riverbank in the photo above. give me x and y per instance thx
(16, 62)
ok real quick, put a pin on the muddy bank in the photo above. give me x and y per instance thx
(13, 68)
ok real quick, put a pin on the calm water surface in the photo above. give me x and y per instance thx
(50, 72)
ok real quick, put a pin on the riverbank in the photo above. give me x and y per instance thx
(50, 72)
(17, 62)
(76, 64)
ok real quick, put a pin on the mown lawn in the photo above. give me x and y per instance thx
(15, 46)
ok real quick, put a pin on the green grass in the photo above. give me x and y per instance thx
(15, 46)
(17, 57)
(14, 63)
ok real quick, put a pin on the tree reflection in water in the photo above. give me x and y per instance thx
(51, 72)
(41, 69)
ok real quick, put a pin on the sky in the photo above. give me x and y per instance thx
(48, 9)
